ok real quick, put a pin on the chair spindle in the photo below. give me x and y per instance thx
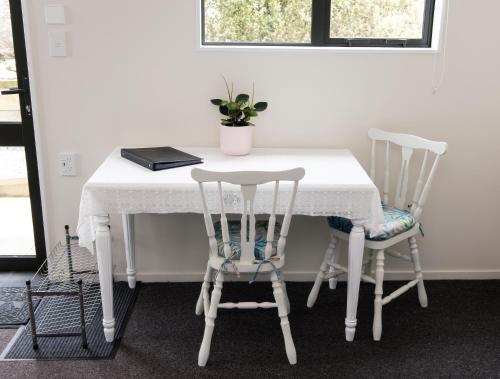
(402, 185)
(373, 161)
(420, 182)
(272, 223)
(426, 189)
(208, 223)
(385, 197)
(223, 223)
(286, 220)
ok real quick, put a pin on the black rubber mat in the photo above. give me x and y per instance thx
(70, 348)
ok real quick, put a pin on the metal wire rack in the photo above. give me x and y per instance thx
(68, 282)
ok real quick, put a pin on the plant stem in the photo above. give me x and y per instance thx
(227, 88)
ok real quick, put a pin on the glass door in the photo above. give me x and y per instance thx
(22, 244)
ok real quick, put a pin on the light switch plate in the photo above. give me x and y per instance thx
(67, 164)
(55, 15)
(57, 43)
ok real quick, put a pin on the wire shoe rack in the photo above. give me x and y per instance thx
(68, 283)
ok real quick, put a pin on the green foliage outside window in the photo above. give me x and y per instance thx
(377, 18)
(261, 21)
(289, 21)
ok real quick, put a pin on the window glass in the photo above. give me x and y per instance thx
(258, 21)
(383, 23)
(398, 19)
(16, 228)
(9, 104)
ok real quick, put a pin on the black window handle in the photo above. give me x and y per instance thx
(12, 91)
(24, 92)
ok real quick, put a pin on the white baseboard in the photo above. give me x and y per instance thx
(309, 276)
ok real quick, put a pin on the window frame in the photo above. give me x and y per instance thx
(320, 32)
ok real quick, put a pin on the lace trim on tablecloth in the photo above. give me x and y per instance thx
(362, 205)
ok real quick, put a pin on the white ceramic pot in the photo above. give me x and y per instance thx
(236, 140)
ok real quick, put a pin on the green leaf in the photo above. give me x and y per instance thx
(232, 106)
(217, 102)
(235, 114)
(242, 98)
(250, 113)
(224, 110)
(261, 106)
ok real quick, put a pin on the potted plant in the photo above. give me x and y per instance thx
(236, 130)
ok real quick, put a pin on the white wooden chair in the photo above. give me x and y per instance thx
(400, 224)
(233, 244)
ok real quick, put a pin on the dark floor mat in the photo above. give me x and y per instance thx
(69, 348)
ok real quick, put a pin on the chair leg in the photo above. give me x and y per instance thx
(279, 297)
(373, 262)
(367, 262)
(210, 321)
(313, 295)
(204, 299)
(332, 283)
(422, 294)
(379, 291)
(285, 294)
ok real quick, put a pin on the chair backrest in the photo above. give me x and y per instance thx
(248, 182)
(408, 144)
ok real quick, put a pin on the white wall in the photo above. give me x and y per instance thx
(136, 76)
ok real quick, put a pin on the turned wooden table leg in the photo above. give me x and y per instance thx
(128, 221)
(105, 263)
(356, 247)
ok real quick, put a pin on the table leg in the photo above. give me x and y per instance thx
(356, 247)
(129, 235)
(105, 263)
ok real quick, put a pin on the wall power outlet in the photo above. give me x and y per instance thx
(67, 164)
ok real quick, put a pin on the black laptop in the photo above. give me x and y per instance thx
(160, 158)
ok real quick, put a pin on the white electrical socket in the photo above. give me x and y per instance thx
(67, 164)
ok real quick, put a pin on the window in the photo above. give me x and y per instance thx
(376, 23)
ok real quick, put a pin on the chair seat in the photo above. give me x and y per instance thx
(396, 221)
(234, 228)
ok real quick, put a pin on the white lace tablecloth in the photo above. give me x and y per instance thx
(334, 184)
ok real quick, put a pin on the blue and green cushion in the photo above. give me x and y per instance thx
(396, 221)
(235, 238)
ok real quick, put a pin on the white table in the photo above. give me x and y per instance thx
(334, 184)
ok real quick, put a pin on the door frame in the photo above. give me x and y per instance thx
(28, 141)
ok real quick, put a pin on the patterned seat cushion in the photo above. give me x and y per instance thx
(397, 221)
(235, 238)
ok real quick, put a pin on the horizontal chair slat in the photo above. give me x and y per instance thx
(247, 177)
(399, 291)
(343, 270)
(247, 305)
(398, 255)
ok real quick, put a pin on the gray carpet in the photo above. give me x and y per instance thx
(457, 336)
(58, 348)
